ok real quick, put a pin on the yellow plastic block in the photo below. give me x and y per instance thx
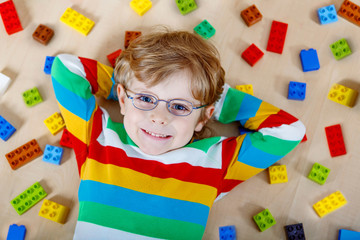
(329, 204)
(245, 88)
(278, 174)
(55, 123)
(54, 211)
(140, 6)
(343, 95)
(77, 21)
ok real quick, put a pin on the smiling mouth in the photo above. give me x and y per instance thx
(156, 134)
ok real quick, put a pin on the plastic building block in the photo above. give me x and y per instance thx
(16, 232)
(343, 95)
(319, 173)
(329, 204)
(348, 235)
(53, 154)
(295, 231)
(278, 174)
(335, 140)
(129, 36)
(43, 34)
(309, 60)
(327, 14)
(23, 154)
(186, 6)
(340, 49)
(10, 17)
(77, 21)
(48, 64)
(65, 140)
(350, 11)
(55, 123)
(28, 198)
(140, 6)
(251, 15)
(277, 37)
(32, 97)
(246, 88)
(227, 233)
(264, 220)
(4, 83)
(205, 29)
(54, 211)
(297, 91)
(252, 54)
(113, 56)
(6, 129)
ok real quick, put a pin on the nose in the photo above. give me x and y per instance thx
(160, 114)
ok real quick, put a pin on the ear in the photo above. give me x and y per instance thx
(121, 96)
(209, 111)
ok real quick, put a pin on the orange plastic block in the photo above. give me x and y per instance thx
(343, 95)
(245, 88)
(77, 21)
(140, 6)
(329, 204)
(54, 211)
(251, 15)
(129, 36)
(43, 34)
(23, 154)
(350, 11)
(278, 174)
(55, 123)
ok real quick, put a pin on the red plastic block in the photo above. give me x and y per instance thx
(129, 36)
(66, 139)
(350, 11)
(23, 154)
(277, 37)
(10, 17)
(335, 140)
(251, 15)
(252, 54)
(43, 34)
(113, 56)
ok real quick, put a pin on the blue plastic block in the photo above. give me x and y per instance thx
(205, 29)
(327, 14)
(16, 232)
(297, 91)
(53, 154)
(309, 60)
(6, 129)
(48, 64)
(348, 235)
(227, 233)
(295, 232)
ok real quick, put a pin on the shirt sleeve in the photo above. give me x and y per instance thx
(273, 134)
(76, 82)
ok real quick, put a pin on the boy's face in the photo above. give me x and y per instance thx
(158, 131)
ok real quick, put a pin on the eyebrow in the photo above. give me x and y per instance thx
(145, 91)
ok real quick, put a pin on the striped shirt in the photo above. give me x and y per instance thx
(126, 194)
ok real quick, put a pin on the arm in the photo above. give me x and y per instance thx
(276, 133)
(76, 80)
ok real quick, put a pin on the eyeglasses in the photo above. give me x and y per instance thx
(147, 102)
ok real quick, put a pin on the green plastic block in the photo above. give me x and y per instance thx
(319, 173)
(340, 49)
(32, 97)
(264, 220)
(186, 6)
(205, 29)
(28, 198)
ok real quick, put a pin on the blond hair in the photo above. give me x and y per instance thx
(153, 57)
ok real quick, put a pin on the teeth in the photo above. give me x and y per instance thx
(156, 135)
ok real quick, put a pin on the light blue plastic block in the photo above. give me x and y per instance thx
(53, 154)
(327, 14)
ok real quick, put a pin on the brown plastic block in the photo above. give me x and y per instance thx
(23, 154)
(251, 15)
(350, 11)
(43, 34)
(129, 36)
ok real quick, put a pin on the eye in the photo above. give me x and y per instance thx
(180, 107)
(145, 98)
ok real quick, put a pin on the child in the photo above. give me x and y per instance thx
(148, 178)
